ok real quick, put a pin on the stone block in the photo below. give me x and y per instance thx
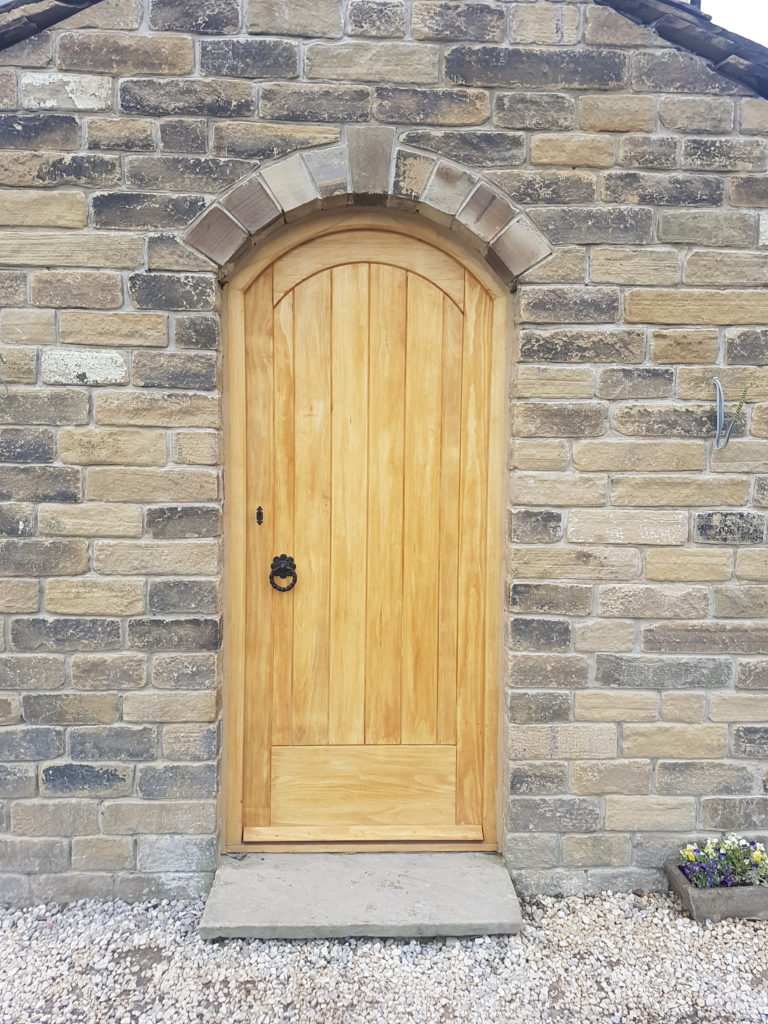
(128, 817)
(134, 330)
(91, 519)
(191, 371)
(748, 346)
(583, 345)
(34, 169)
(684, 346)
(729, 527)
(538, 778)
(196, 331)
(734, 814)
(533, 110)
(43, 557)
(62, 635)
(19, 596)
(183, 596)
(547, 671)
(752, 675)
(750, 741)
(567, 489)
(671, 71)
(44, 248)
(703, 778)
(17, 520)
(184, 672)
(265, 140)
(373, 62)
(568, 741)
(145, 210)
(741, 602)
(39, 483)
(527, 848)
(555, 814)
(725, 154)
(119, 54)
(653, 601)
(675, 490)
(376, 18)
(38, 131)
(687, 742)
(596, 778)
(694, 114)
(83, 366)
(311, 18)
(183, 135)
(522, 68)
(650, 382)
(179, 522)
(143, 485)
(430, 106)
(447, 189)
(553, 382)
(539, 455)
(573, 150)
(187, 634)
(36, 208)
(329, 171)
(249, 58)
(577, 563)
(706, 638)
(292, 186)
(121, 447)
(157, 97)
(550, 598)
(683, 707)
(163, 886)
(85, 780)
(108, 671)
(663, 189)
(649, 813)
(482, 148)
(33, 856)
(23, 444)
(184, 173)
(548, 185)
(589, 850)
(648, 420)
(30, 743)
(649, 673)
(113, 743)
(190, 742)
(689, 565)
(176, 853)
(94, 596)
(611, 635)
(102, 853)
(535, 708)
(534, 526)
(559, 419)
(411, 174)
(613, 526)
(217, 235)
(635, 266)
(194, 292)
(177, 781)
(518, 247)
(123, 558)
(192, 706)
(17, 780)
(738, 707)
(285, 101)
(70, 708)
(727, 228)
(596, 225)
(753, 116)
(539, 635)
(134, 136)
(54, 817)
(48, 90)
(615, 706)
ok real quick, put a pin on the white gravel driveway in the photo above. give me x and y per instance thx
(613, 959)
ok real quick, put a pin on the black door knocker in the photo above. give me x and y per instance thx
(283, 567)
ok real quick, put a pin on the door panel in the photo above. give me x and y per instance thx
(368, 380)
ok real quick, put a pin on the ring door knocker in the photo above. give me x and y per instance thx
(284, 568)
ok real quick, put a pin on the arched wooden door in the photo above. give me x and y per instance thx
(371, 458)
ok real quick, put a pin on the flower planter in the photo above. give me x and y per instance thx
(745, 901)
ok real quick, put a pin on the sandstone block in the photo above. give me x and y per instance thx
(610, 526)
(33, 855)
(190, 742)
(184, 672)
(19, 596)
(533, 110)
(19, 366)
(94, 597)
(647, 420)
(31, 672)
(158, 97)
(191, 371)
(682, 707)
(182, 522)
(617, 113)
(754, 116)
(684, 346)
(697, 114)
(538, 635)
(480, 148)
(555, 814)
(431, 106)
(729, 527)
(35, 169)
(196, 448)
(741, 602)
(30, 743)
(118, 53)
(134, 136)
(671, 71)
(303, 18)
(446, 21)
(128, 817)
(83, 366)
(748, 346)
(550, 598)
(38, 131)
(596, 225)
(697, 383)
(537, 708)
(102, 853)
(35, 208)
(157, 634)
(737, 813)
(725, 154)
(534, 526)
(88, 289)
(553, 382)
(197, 331)
(49, 90)
(180, 706)
(748, 190)
(249, 58)
(285, 101)
(708, 227)
(688, 564)
(645, 382)
(635, 266)
(706, 638)
(63, 635)
(541, 455)
(155, 410)
(693, 742)
(558, 304)
(177, 781)
(680, 491)
(145, 210)
(373, 62)
(43, 557)
(604, 27)
(547, 672)
(184, 135)
(649, 673)
(118, 329)
(584, 851)
(174, 558)
(549, 185)
(264, 140)
(567, 489)
(593, 563)
(648, 601)
(122, 447)
(47, 248)
(376, 18)
(108, 671)
(54, 817)
(582, 345)
(649, 813)
(173, 291)
(738, 707)
(573, 150)
(595, 778)
(615, 706)
(533, 778)
(143, 485)
(176, 853)
(750, 741)
(613, 635)
(542, 24)
(648, 153)
(18, 780)
(91, 519)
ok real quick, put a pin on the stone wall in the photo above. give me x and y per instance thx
(637, 598)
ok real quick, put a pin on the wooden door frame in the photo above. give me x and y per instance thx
(235, 440)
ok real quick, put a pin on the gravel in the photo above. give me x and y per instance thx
(580, 960)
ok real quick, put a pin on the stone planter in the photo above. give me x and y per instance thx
(745, 901)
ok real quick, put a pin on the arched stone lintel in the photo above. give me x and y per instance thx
(369, 168)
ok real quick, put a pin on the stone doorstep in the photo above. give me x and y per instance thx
(340, 895)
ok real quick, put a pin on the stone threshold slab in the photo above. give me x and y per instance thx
(340, 895)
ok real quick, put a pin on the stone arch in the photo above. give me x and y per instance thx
(370, 168)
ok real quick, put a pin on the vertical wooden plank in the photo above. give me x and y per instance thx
(258, 641)
(386, 421)
(421, 543)
(349, 498)
(473, 554)
(281, 518)
(236, 551)
(312, 516)
(450, 459)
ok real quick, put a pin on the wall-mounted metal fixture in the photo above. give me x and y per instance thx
(722, 439)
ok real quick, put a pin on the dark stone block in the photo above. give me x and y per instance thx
(673, 72)
(538, 778)
(644, 673)
(752, 675)
(174, 634)
(54, 406)
(31, 673)
(184, 135)
(648, 153)
(183, 597)
(663, 189)
(468, 20)
(706, 638)
(52, 170)
(749, 190)
(750, 741)
(140, 210)
(569, 304)
(30, 743)
(648, 382)
(177, 782)
(376, 19)
(736, 814)
(184, 672)
(191, 97)
(179, 522)
(34, 557)
(12, 287)
(193, 371)
(17, 780)
(546, 186)
(299, 102)
(249, 58)
(619, 225)
(520, 68)
(39, 131)
(172, 291)
(475, 148)
(548, 672)
(18, 445)
(86, 780)
(538, 708)
(65, 634)
(16, 520)
(729, 527)
(533, 110)
(430, 106)
(582, 346)
(539, 634)
(694, 778)
(113, 743)
(747, 346)
(534, 526)
(551, 598)
(196, 332)
(70, 708)
(665, 421)
(554, 814)
(214, 17)
(40, 483)
(725, 155)
(184, 173)
(412, 171)
(560, 419)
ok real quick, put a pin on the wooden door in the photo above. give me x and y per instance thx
(368, 690)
